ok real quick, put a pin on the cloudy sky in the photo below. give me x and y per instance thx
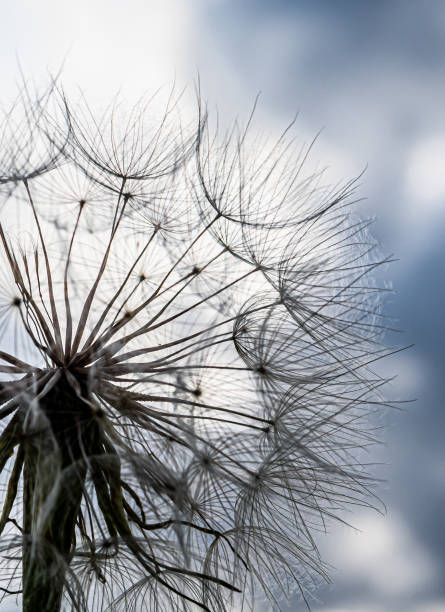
(371, 75)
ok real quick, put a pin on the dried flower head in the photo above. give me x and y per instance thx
(187, 326)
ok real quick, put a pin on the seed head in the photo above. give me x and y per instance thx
(187, 326)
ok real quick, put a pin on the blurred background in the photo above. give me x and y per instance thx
(372, 75)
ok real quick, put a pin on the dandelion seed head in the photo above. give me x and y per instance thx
(188, 325)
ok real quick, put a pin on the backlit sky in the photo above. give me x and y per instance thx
(372, 75)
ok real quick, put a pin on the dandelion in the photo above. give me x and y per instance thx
(188, 323)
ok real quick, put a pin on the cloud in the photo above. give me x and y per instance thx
(107, 47)
(425, 173)
(366, 73)
(422, 606)
(383, 556)
(353, 609)
(431, 606)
